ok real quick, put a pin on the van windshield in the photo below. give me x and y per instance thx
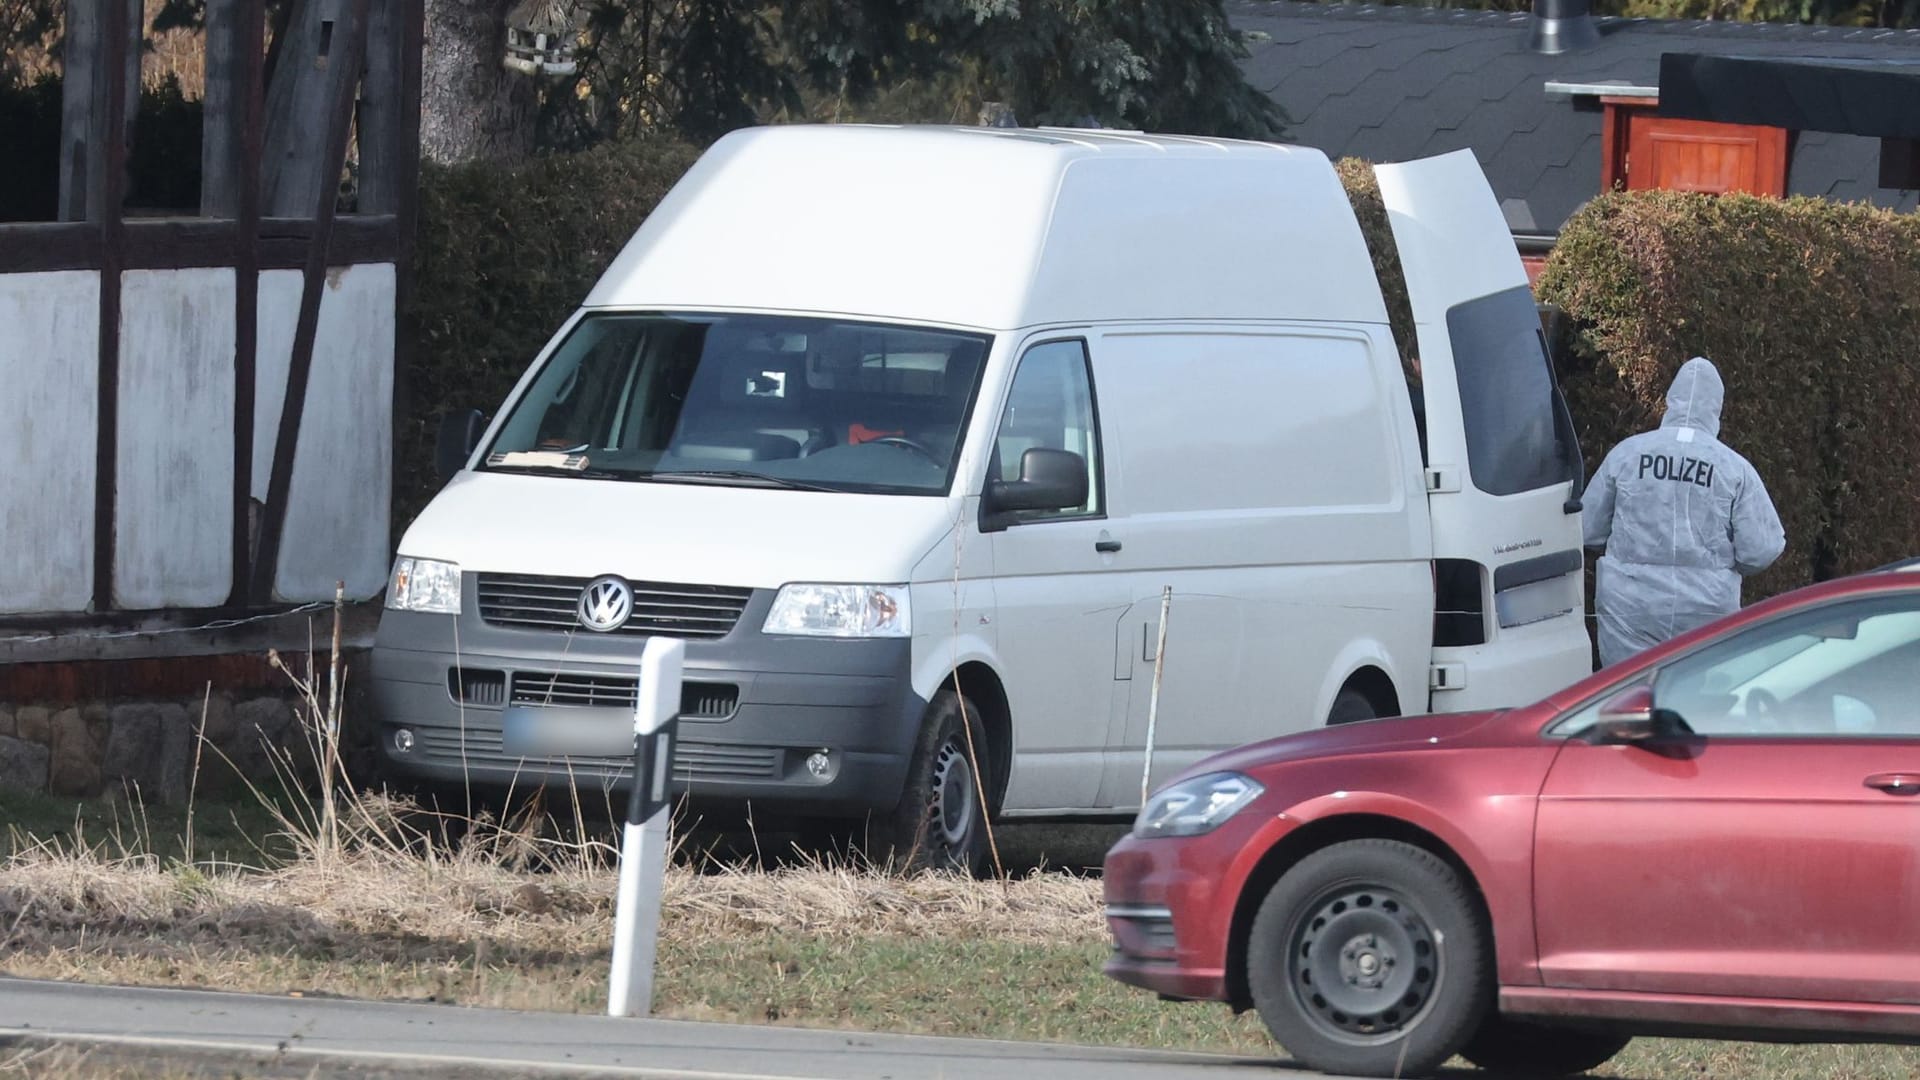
(761, 400)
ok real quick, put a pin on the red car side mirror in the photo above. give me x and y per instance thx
(1631, 716)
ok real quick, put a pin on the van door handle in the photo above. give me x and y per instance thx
(1106, 546)
(1895, 783)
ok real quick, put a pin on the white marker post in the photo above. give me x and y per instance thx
(643, 844)
(1153, 702)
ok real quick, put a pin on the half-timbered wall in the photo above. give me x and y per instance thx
(196, 410)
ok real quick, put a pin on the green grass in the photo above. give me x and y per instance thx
(224, 831)
(983, 988)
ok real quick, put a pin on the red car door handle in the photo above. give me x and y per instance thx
(1895, 783)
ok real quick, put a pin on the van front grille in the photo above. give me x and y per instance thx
(528, 602)
(698, 700)
(538, 688)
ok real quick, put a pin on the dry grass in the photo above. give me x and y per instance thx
(815, 945)
(53, 1061)
(47, 892)
(72, 1063)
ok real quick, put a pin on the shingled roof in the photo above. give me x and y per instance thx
(1394, 83)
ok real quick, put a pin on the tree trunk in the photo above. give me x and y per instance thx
(471, 107)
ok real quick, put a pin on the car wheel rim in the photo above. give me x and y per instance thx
(1364, 963)
(953, 794)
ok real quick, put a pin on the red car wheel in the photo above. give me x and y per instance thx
(1370, 958)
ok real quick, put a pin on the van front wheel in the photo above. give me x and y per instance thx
(941, 823)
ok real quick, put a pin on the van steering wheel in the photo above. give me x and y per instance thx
(903, 441)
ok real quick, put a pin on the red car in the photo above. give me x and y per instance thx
(1718, 838)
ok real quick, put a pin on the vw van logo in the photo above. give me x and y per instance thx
(605, 604)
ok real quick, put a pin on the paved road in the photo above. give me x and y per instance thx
(333, 1036)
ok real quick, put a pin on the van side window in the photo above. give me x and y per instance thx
(1051, 407)
(1519, 436)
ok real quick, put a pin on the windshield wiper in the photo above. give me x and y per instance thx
(739, 477)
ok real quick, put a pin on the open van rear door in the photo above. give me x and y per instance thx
(1504, 468)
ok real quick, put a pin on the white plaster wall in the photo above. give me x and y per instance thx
(342, 494)
(273, 350)
(173, 537)
(49, 416)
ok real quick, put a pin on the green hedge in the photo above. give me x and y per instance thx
(1363, 191)
(1811, 311)
(503, 257)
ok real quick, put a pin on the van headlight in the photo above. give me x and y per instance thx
(1195, 806)
(424, 585)
(846, 611)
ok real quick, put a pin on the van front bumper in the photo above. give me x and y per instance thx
(756, 709)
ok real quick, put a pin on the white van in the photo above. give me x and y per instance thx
(895, 423)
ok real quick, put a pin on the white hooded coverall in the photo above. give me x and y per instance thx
(1680, 518)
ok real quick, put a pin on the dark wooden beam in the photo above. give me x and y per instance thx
(282, 244)
(251, 43)
(413, 47)
(349, 49)
(412, 54)
(286, 244)
(381, 101)
(34, 247)
(83, 682)
(112, 256)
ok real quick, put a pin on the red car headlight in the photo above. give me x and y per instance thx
(1195, 806)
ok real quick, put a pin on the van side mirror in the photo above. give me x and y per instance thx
(1630, 717)
(1049, 480)
(460, 434)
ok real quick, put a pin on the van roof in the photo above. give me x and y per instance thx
(1001, 228)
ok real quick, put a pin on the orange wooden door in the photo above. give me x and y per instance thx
(1694, 155)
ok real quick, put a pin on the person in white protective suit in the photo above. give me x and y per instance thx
(1679, 518)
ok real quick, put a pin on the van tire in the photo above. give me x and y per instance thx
(1350, 707)
(940, 823)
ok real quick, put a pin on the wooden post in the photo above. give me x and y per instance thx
(106, 190)
(413, 30)
(245, 70)
(1153, 702)
(88, 87)
(223, 115)
(321, 53)
(349, 50)
(382, 102)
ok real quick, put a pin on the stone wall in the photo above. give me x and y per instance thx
(151, 746)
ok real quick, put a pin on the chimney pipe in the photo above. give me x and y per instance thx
(1561, 26)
